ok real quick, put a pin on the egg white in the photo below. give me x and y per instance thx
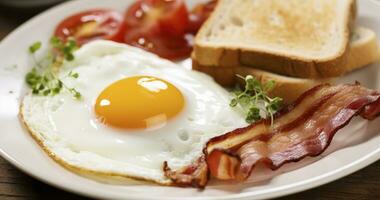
(69, 130)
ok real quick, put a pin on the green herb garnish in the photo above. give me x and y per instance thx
(73, 74)
(255, 100)
(35, 47)
(42, 79)
(66, 48)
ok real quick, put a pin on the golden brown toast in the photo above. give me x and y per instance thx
(294, 37)
(363, 50)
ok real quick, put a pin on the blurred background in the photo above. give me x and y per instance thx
(28, 3)
(15, 12)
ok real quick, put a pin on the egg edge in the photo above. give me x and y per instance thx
(101, 176)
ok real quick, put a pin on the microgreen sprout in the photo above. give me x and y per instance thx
(42, 79)
(254, 99)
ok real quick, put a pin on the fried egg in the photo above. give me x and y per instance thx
(137, 111)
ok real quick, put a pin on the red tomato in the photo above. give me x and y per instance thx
(90, 25)
(199, 15)
(169, 16)
(173, 48)
(159, 26)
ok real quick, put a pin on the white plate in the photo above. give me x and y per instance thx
(352, 149)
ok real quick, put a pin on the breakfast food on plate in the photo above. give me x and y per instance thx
(297, 38)
(111, 111)
(135, 112)
(165, 28)
(363, 50)
(139, 116)
(302, 129)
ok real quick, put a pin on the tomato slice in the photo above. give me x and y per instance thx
(199, 15)
(169, 16)
(159, 26)
(90, 25)
(173, 48)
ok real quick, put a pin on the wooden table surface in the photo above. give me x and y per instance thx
(14, 184)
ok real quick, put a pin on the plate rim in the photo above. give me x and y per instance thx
(283, 191)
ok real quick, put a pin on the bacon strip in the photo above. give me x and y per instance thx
(194, 175)
(302, 129)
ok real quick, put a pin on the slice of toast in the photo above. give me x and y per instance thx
(294, 37)
(363, 50)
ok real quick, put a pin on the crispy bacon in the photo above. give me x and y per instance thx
(302, 129)
(194, 175)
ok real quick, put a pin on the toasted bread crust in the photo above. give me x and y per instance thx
(361, 52)
(216, 56)
(287, 88)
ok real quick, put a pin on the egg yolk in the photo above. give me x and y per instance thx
(139, 102)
